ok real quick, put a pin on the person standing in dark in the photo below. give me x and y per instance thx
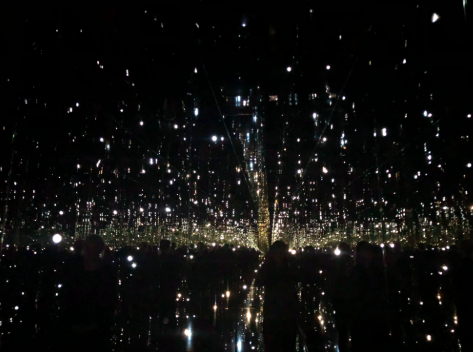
(169, 279)
(88, 302)
(338, 290)
(280, 306)
(463, 288)
(369, 324)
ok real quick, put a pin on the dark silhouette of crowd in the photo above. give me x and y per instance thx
(369, 298)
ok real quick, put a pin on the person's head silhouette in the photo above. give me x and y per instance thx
(93, 246)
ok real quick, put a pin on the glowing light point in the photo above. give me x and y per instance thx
(176, 127)
(324, 169)
(227, 294)
(328, 67)
(57, 238)
(141, 123)
(435, 18)
(337, 252)
(429, 338)
(188, 333)
(115, 212)
(129, 258)
(244, 287)
(196, 111)
(168, 210)
(468, 165)
(61, 213)
(133, 265)
(289, 69)
(214, 138)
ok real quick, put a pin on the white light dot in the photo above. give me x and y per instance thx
(57, 238)
(435, 18)
(328, 67)
(289, 69)
(129, 258)
(214, 138)
(141, 123)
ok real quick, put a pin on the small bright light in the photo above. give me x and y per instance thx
(191, 257)
(141, 123)
(133, 265)
(445, 268)
(101, 139)
(239, 345)
(141, 210)
(468, 165)
(324, 169)
(176, 127)
(114, 212)
(289, 69)
(435, 18)
(382, 245)
(404, 61)
(384, 132)
(244, 287)
(429, 338)
(195, 70)
(71, 248)
(215, 307)
(425, 113)
(248, 316)
(196, 111)
(213, 244)
(168, 210)
(337, 252)
(214, 138)
(391, 245)
(129, 258)
(61, 212)
(16, 307)
(227, 294)
(188, 333)
(328, 67)
(57, 238)
(244, 25)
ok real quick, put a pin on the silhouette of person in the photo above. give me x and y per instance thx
(339, 291)
(280, 306)
(369, 325)
(89, 301)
